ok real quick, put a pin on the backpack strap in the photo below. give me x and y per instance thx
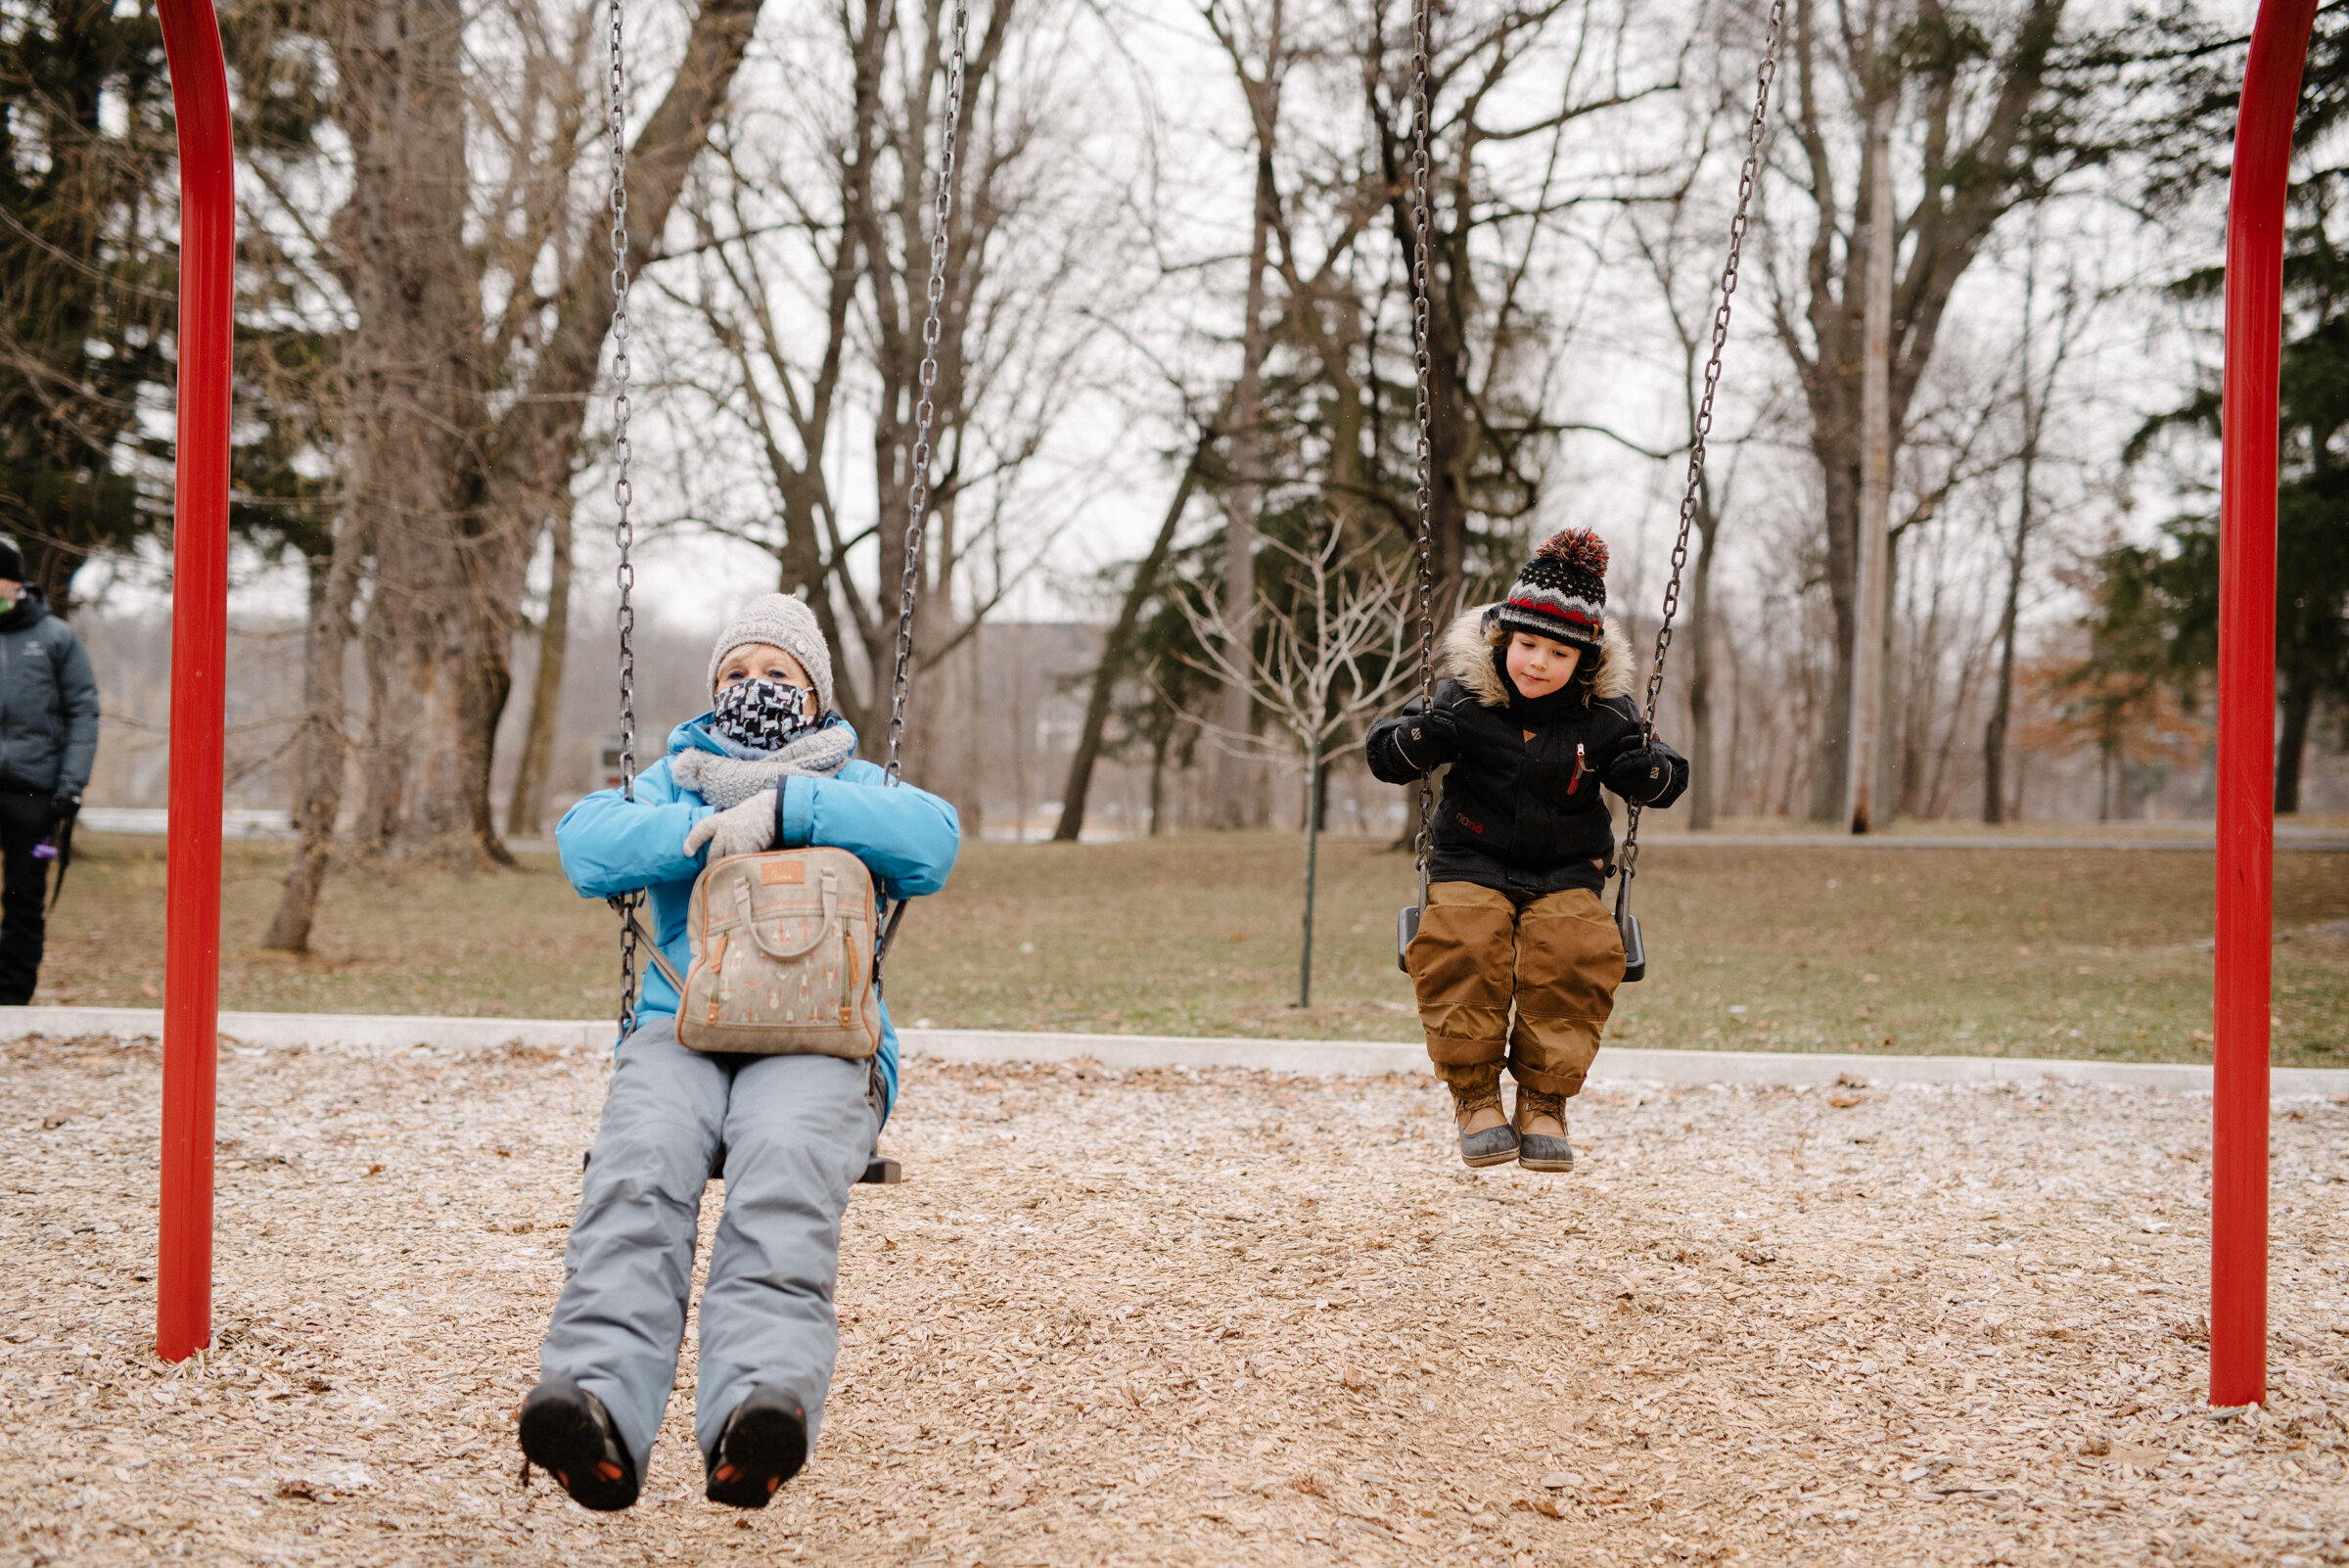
(652, 951)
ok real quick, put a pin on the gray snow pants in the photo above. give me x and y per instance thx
(794, 1132)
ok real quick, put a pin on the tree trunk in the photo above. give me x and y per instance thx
(1875, 477)
(1235, 802)
(525, 812)
(974, 814)
(1885, 797)
(1116, 649)
(415, 410)
(2291, 745)
(452, 498)
(1019, 735)
(1312, 856)
(1829, 782)
(2001, 703)
(1158, 778)
(324, 745)
(1700, 676)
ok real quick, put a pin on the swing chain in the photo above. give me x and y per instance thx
(925, 409)
(624, 530)
(1422, 366)
(1701, 430)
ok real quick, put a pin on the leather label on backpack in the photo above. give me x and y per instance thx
(774, 871)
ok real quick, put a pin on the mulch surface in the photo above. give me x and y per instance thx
(1206, 1318)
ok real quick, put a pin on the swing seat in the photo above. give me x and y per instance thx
(1407, 926)
(1635, 952)
(881, 1173)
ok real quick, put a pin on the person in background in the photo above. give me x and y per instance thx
(48, 741)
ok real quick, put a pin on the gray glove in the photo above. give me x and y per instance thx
(744, 829)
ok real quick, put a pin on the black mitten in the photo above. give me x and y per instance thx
(1414, 745)
(1653, 774)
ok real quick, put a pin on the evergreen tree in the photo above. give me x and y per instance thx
(2171, 591)
(87, 282)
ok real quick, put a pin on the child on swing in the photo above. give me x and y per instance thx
(1516, 960)
(769, 766)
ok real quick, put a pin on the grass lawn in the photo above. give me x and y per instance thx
(2084, 952)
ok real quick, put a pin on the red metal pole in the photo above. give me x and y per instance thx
(207, 233)
(2247, 828)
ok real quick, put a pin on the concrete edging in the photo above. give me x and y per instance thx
(343, 1030)
(1616, 1064)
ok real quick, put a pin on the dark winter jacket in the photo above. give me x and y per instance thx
(1522, 815)
(48, 702)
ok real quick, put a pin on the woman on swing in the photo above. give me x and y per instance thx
(768, 768)
(1516, 960)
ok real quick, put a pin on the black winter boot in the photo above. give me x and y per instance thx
(567, 1432)
(1541, 1123)
(764, 1444)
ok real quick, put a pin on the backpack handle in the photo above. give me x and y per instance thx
(742, 902)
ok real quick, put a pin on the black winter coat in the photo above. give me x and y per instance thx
(1522, 815)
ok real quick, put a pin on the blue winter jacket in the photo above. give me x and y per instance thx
(906, 837)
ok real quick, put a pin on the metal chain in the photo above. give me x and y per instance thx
(1422, 367)
(1764, 75)
(925, 409)
(624, 530)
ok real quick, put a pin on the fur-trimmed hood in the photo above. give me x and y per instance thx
(1464, 652)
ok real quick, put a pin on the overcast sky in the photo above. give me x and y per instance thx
(1159, 107)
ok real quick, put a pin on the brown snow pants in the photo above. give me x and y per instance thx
(1514, 977)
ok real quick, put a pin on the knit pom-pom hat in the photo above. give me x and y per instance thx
(780, 621)
(1562, 592)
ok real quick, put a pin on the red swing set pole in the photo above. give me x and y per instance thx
(2246, 825)
(207, 232)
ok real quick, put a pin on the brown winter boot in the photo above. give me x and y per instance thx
(1541, 1127)
(1486, 1137)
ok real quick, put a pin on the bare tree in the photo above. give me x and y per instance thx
(467, 378)
(1992, 128)
(1332, 653)
(2034, 397)
(1487, 422)
(1261, 62)
(813, 263)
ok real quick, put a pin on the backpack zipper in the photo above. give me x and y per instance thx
(1580, 766)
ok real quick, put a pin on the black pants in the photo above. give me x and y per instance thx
(23, 893)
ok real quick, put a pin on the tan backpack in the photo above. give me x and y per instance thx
(782, 958)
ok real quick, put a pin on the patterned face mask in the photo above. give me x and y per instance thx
(762, 716)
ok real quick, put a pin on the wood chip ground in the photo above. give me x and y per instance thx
(1230, 1318)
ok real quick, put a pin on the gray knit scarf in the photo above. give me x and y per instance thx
(728, 781)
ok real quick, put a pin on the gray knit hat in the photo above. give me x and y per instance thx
(785, 622)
